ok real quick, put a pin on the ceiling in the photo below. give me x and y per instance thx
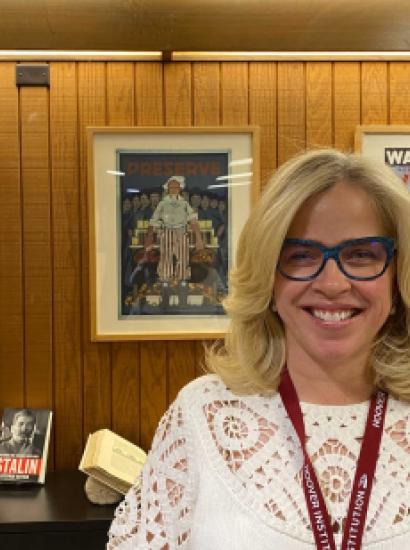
(206, 25)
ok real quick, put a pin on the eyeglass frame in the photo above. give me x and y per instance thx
(334, 251)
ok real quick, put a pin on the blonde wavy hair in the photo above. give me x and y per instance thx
(252, 355)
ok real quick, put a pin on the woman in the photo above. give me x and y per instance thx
(319, 326)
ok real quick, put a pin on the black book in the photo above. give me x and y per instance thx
(24, 441)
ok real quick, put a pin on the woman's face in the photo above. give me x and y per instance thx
(341, 213)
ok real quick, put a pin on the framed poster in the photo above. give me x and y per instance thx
(166, 207)
(390, 144)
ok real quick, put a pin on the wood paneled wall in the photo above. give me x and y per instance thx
(46, 357)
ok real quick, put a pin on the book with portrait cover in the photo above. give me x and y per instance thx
(112, 460)
(24, 441)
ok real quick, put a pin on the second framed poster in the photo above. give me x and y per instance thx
(166, 207)
(389, 144)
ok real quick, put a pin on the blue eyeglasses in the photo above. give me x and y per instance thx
(362, 259)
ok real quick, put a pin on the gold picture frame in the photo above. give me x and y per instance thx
(127, 169)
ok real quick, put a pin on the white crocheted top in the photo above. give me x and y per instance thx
(224, 473)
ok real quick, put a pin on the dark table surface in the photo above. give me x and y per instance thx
(60, 503)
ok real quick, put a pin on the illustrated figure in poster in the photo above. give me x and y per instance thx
(171, 219)
(20, 439)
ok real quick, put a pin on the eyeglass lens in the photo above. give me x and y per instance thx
(358, 260)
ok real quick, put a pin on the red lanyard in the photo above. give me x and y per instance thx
(362, 485)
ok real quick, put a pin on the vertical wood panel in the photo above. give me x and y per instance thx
(181, 366)
(346, 103)
(92, 104)
(153, 388)
(149, 94)
(97, 356)
(374, 93)
(178, 101)
(235, 94)
(120, 94)
(125, 381)
(206, 94)
(38, 282)
(125, 391)
(319, 123)
(291, 110)
(67, 329)
(11, 283)
(399, 93)
(262, 112)
(177, 84)
(200, 367)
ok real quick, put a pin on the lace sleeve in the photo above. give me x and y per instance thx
(157, 515)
